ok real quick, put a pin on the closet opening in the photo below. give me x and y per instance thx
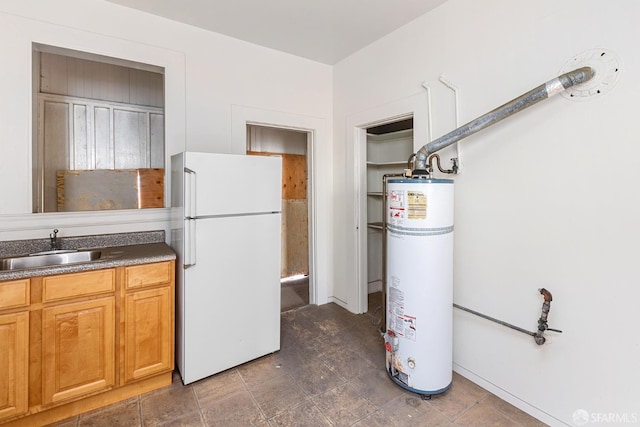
(291, 145)
(388, 148)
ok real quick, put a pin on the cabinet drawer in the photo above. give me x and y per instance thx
(78, 284)
(14, 293)
(137, 276)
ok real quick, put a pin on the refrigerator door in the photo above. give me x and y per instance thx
(228, 184)
(231, 295)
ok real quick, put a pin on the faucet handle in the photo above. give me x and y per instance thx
(54, 239)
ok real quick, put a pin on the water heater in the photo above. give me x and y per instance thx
(419, 289)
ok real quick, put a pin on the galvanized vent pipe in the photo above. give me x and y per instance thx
(528, 99)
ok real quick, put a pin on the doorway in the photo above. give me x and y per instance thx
(389, 146)
(291, 145)
(413, 107)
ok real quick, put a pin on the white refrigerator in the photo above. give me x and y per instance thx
(226, 231)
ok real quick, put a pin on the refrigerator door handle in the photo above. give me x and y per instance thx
(189, 193)
(190, 243)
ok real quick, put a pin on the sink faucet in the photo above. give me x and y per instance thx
(54, 240)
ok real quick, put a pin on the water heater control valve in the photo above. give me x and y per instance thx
(411, 363)
(391, 341)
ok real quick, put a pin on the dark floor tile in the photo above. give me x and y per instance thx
(176, 379)
(277, 395)
(294, 294)
(218, 386)
(290, 340)
(192, 419)
(377, 419)
(413, 411)
(261, 370)
(68, 422)
(344, 406)
(166, 404)
(304, 415)
(236, 409)
(290, 358)
(332, 315)
(521, 417)
(302, 326)
(462, 395)
(484, 414)
(346, 363)
(376, 387)
(125, 414)
(314, 377)
(352, 336)
(370, 345)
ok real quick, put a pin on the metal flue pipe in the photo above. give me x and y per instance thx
(528, 99)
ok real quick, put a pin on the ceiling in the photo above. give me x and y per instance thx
(325, 31)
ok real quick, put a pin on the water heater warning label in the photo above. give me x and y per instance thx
(417, 205)
(397, 204)
(403, 324)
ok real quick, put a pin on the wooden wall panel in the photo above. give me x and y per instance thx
(63, 75)
(55, 147)
(295, 256)
(294, 176)
(104, 189)
(295, 225)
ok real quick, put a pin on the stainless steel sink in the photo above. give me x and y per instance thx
(48, 259)
(53, 252)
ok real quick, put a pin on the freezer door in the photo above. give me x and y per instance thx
(227, 184)
(231, 307)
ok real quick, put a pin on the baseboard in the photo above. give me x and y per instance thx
(508, 397)
(375, 286)
(46, 416)
(338, 301)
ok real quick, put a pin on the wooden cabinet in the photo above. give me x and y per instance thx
(74, 342)
(14, 351)
(14, 347)
(78, 338)
(78, 341)
(148, 318)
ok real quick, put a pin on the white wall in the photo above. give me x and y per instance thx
(276, 140)
(547, 198)
(207, 75)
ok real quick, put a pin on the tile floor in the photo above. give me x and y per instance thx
(329, 372)
(294, 293)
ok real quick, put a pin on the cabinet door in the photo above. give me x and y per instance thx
(79, 349)
(148, 333)
(14, 344)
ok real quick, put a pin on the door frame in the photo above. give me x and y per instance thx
(320, 214)
(415, 106)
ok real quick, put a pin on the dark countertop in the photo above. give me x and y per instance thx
(112, 256)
